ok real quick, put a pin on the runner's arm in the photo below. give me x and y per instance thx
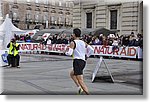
(90, 50)
(69, 51)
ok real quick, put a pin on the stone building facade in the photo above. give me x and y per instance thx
(0, 13)
(26, 14)
(117, 15)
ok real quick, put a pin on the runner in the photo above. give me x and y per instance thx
(78, 49)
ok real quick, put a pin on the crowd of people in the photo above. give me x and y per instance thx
(23, 37)
(115, 39)
(57, 39)
(110, 40)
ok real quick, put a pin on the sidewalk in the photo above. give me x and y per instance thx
(49, 74)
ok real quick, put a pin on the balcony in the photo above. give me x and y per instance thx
(45, 5)
(28, 8)
(53, 23)
(45, 10)
(37, 5)
(37, 9)
(37, 21)
(15, 20)
(15, 6)
(60, 12)
(28, 4)
(53, 11)
(67, 13)
(29, 21)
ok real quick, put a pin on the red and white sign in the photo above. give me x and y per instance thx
(40, 47)
(45, 36)
(127, 52)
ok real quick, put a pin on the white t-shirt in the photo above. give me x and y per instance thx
(80, 50)
(115, 43)
(49, 42)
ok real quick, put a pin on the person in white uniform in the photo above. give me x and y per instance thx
(78, 49)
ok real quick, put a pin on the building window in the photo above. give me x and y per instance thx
(28, 20)
(36, 1)
(52, 19)
(89, 20)
(70, 22)
(15, 15)
(67, 4)
(60, 3)
(113, 19)
(53, 2)
(46, 2)
(15, 1)
(37, 17)
(45, 18)
(28, 1)
(28, 16)
(67, 21)
(61, 20)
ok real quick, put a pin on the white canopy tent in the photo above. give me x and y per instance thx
(7, 31)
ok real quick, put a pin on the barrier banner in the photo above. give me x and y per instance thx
(126, 52)
(40, 47)
(3, 57)
(140, 53)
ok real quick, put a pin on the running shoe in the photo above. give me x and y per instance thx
(18, 66)
(80, 91)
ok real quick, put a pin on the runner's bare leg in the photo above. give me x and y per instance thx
(74, 78)
(82, 84)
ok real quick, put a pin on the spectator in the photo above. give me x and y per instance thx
(71, 38)
(139, 41)
(59, 41)
(125, 40)
(120, 40)
(49, 41)
(89, 38)
(115, 44)
(13, 54)
(105, 41)
(63, 39)
(132, 39)
(110, 42)
(97, 41)
(54, 39)
(27, 38)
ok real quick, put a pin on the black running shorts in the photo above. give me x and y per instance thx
(78, 66)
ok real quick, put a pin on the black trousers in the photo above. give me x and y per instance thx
(17, 60)
(13, 60)
(10, 59)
